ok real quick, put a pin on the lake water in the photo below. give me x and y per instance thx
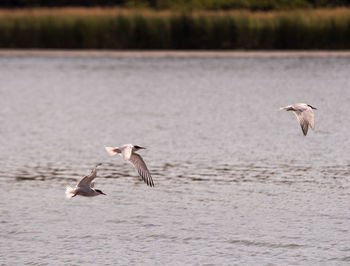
(236, 181)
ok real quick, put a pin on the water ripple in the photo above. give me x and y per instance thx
(265, 244)
(236, 173)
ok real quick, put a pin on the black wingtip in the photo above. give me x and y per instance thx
(150, 183)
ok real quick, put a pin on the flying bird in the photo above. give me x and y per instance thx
(128, 153)
(304, 114)
(85, 187)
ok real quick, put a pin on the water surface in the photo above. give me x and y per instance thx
(237, 183)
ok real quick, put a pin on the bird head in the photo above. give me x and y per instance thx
(312, 107)
(136, 147)
(99, 191)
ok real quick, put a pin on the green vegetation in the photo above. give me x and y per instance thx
(144, 29)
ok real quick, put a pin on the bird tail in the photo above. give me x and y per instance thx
(287, 108)
(112, 151)
(69, 192)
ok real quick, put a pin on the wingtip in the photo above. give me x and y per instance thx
(304, 132)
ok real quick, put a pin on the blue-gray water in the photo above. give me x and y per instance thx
(237, 183)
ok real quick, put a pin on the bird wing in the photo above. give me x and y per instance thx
(308, 115)
(305, 116)
(303, 123)
(141, 168)
(86, 181)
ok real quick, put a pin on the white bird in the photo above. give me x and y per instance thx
(85, 186)
(304, 114)
(127, 152)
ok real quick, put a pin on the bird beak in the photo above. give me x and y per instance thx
(103, 194)
(142, 148)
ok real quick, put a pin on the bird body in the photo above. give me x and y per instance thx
(304, 114)
(124, 151)
(85, 186)
(128, 153)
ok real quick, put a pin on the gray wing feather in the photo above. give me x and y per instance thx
(306, 118)
(142, 169)
(86, 181)
(308, 115)
(303, 123)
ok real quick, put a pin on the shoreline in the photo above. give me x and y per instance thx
(173, 53)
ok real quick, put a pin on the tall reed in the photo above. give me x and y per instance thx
(123, 29)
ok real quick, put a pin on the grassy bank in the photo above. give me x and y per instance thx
(144, 29)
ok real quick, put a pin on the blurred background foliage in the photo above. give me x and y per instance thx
(175, 24)
(144, 29)
(183, 4)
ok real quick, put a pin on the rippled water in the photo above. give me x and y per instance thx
(237, 183)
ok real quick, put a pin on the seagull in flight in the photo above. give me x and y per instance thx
(85, 187)
(128, 153)
(304, 114)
